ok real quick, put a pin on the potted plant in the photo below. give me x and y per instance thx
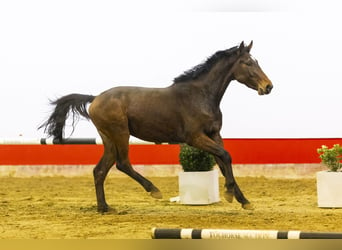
(329, 183)
(198, 183)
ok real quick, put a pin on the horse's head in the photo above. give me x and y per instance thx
(247, 71)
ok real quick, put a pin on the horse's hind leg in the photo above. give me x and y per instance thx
(127, 168)
(123, 164)
(100, 172)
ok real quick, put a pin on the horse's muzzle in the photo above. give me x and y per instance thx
(266, 90)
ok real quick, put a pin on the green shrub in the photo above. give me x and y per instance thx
(193, 159)
(331, 157)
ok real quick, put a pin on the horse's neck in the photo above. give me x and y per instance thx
(208, 92)
(216, 84)
(209, 87)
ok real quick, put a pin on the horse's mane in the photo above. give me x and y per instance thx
(204, 67)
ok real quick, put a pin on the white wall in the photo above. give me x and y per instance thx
(52, 48)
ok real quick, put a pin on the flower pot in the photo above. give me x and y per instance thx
(199, 188)
(329, 189)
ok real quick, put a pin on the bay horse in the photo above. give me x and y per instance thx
(188, 111)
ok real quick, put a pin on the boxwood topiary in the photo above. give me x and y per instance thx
(193, 159)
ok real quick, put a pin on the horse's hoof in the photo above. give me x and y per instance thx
(112, 211)
(107, 210)
(228, 196)
(102, 210)
(156, 194)
(248, 206)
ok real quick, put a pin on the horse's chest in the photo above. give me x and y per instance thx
(212, 123)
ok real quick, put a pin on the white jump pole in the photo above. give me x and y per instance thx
(51, 141)
(189, 233)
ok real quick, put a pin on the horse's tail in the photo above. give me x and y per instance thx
(76, 103)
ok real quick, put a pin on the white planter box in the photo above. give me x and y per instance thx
(329, 189)
(199, 188)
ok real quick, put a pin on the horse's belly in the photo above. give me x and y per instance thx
(156, 131)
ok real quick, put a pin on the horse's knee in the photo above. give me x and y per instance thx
(125, 167)
(121, 167)
(226, 157)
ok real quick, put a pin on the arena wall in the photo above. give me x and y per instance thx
(276, 157)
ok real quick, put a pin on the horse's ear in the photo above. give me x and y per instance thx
(241, 47)
(249, 47)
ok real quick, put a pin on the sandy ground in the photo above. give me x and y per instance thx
(63, 208)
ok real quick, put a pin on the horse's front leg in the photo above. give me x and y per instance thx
(224, 160)
(232, 188)
(229, 182)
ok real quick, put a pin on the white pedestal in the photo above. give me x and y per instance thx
(329, 189)
(199, 188)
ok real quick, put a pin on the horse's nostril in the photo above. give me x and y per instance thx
(269, 88)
